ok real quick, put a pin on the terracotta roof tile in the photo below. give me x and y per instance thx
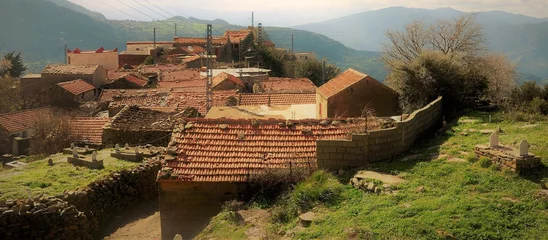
(183, 83)
(76, 87)
(199, 41)
(138, 119)
(137, 80)
(236, 35)
(226, 77)
(341, 82)
(22, 120)
(289, 85)
(208, 153)
(277, 98)
(88, 130)
(69, 69)
(108, 95)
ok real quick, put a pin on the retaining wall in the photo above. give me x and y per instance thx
(78, 214)
(381, 144)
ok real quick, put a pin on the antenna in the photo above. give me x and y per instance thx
(209, 69)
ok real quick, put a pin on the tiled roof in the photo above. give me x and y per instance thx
(182, 83)
(139, 119)
(114, 75)
(139, 81)
(180, 74)
(289, 85)
(277, 98)
(166, 100)
(149, 42)
(22, 120)
(194, 49)
(199, 41)
(76, 87)
(108, 95)
(226, 77)
(341, 82)
(229, 150)
(69, 69)
(236, 35)
(88, 130)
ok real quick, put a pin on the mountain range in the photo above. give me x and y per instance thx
(524, 39)
(41, 28)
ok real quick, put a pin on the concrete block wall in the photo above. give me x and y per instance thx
(379, 145)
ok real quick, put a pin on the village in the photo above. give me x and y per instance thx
(202, 118)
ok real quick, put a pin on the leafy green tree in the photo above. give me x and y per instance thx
(10, 97)
(16, 65)
(313, 69)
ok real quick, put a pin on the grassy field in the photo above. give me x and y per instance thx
(38, 178)
(461, 199)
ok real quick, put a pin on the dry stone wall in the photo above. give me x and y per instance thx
(78, 214)
(381, 144)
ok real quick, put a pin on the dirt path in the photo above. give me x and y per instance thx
(142, 222)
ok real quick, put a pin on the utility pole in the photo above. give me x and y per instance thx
(66, 61)
(154, 46)
(240, 52)
(292, 49)
(260, 37)
(252, 20)
(209, 98)
(323, 72)
(175, 29)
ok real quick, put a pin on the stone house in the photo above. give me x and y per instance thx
(287, 85)
(56, 73)
(216, 158)
(137, 126)
(17, 127)
(108, 59)
(350, 92)
(31, 85)
(72, 93)
(145, 47)
(304, 56)
(218, 44)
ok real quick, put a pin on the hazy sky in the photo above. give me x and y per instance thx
(292, 12)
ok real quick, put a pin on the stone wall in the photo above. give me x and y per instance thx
(381, 144)
(506, 158)
(78, 214)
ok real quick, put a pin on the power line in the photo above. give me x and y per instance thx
(177, 12)
(121, 11)
(136, 9)
(159, 8)
(150, 9)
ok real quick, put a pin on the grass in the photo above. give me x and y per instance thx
(463, 200)
(38, 178)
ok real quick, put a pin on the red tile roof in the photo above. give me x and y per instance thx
(114, 75)
(180, 74)
(289, 85)
(139, 81)
(22, 120)
(236, 35)
(166, 100)
(88, 130)
(76, 87)
(70, 69)
(183, 83)
(149, 42)
(341, 82)
(211, 152)
(277, 98)
(199, 41)
(226, 77)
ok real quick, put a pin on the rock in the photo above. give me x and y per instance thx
(341, 172)
(325, 122)
(178, 237)
(334, 123)
(223, 126)
(371, 187)
(307, 218)
(421, 189)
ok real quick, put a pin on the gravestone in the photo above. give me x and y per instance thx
(494, 139)
(72, 145)
(87, 148)
(127, 146)
(94, 156)
(117, 148)
(75, 152)
(524, 148)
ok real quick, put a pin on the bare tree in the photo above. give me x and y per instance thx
(51, 133)
(500, 74)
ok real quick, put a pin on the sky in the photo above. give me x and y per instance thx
(291, 12)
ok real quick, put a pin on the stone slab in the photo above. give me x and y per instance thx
(385, 178)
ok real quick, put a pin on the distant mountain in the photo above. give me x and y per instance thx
(40, 30)
(523, 38)
(77, 8)
(43, 28)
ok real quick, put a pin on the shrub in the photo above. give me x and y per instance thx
(471, 158)
(51, 133)
(485, 162)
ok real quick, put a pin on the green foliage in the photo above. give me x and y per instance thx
(16, 66)
(314, 70)
(39, 178)
(485, 162)
(471, 158)
(149, 60)
(10, 95)
(530, 99)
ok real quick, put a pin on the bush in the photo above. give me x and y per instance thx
(485, 162)
(51, 133)
(471, 158)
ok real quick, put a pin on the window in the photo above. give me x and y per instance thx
(306, 57)
(68, 61)
(137, 49)
(83, 95)
(320, 109)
